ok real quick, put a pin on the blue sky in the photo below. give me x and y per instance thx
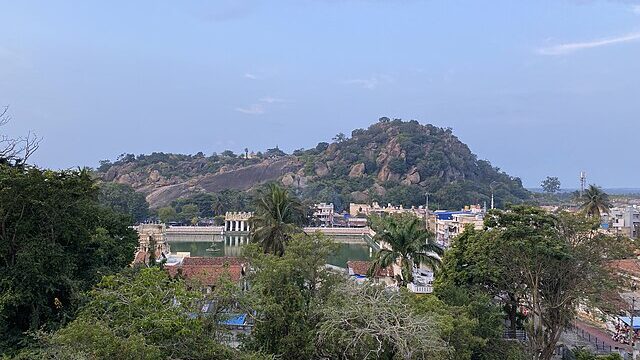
(540, 87)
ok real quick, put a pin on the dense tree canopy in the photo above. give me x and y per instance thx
(137, 314)
(544, 262)
(123, 199)
(56, 241)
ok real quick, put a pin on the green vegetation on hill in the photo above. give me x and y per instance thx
(392, 161)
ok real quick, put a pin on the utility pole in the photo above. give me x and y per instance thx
(632, 333)
(426, 211)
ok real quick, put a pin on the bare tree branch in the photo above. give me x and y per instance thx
(16, 151)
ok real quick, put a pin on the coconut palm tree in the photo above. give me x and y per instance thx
(278, 215)
(595, 201)
(404, 239)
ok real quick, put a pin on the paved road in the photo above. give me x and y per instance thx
(603, 337)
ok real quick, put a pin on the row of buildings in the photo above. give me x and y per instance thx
(445, 224)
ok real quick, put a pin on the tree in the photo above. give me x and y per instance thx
(547, 262)
(360, 322)
(137, 314)
(15, 151)
(122, 198)
(286, 294)
(56, 242)
(228, 153)
(189, 212)
(405, 239)
(167, 214)
(469, 322)
(278, 215)
(340, 137)
(595, 201)
(550, 185)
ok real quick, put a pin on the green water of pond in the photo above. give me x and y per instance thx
(348, 249)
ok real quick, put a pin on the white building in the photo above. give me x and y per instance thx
(324, 214)
(449, 224)
(237, 221)
(623, 221)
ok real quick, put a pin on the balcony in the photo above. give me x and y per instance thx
(420, 289)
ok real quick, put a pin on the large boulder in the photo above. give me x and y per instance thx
(357, 170)
(321, 169)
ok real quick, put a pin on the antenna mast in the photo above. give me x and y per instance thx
(583, 181)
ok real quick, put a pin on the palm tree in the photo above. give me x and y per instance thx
(595, 202)
(409, 242)
(278, 215)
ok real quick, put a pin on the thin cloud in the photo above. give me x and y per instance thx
(568, 48)
(271, 100)
(253, 109)
(635, 9)
(250, 76)
(370, 83)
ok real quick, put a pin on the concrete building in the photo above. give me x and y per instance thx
(237, 221)
(375, 208)
(324, 213)
(449, 224)
(623, 221)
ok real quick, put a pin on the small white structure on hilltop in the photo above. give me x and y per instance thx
(237, 221)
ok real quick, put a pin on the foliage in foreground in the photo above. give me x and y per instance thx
(287, 293)
(548, 262)
(408, 241)
(138, 314)
(371, 322)
(278, 215)
(56, 242)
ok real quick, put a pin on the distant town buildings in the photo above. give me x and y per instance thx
(623, 221)
(449, 224)
(323, 214)
(375, 208)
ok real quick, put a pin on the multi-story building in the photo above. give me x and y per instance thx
(324, 213)
(449, 224)
(623, 221)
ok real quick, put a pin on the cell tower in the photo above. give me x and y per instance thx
(583, 181)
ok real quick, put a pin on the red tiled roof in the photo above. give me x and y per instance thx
(629, 267)
(231, 260)
(362, 268)
(207, 271)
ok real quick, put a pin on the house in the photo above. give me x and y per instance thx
(449, 224)
(207, 271)
(623, 221)
(323, 214)
(422, 281)
(359, 270)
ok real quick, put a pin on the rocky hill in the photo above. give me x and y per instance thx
(392, 161)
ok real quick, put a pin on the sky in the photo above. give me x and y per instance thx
(538, 87)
